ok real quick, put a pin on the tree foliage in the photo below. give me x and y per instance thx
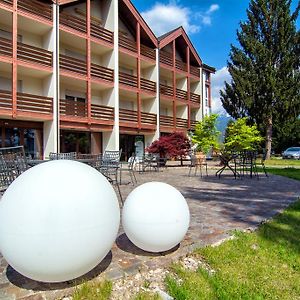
(206, 134)
(265, 69)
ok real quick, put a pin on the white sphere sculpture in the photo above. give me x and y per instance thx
(155, 217)
(58, 220)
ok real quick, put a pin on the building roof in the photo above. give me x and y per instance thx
(209, 68)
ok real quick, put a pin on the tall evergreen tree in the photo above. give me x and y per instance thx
(265, 69)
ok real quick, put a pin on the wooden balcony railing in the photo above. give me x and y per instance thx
(72, 64)
(148, 85)
(166, 121)
(166, 90)
(148, 118)
(181, 123)
(195, 98)
(127, 44)
(34, 54)
(101, 112)
(102, 72)
(5, 99)
(38, 8)
(128, 79)
(181, 95)
(5, 47)
(126, 115)
(34, 103)
(166, 58)
(73, 108)
(193, 124)
(180, 65)
(148, 52)
(73, 22)
(195, 71)
(102, 33)
(7, 2)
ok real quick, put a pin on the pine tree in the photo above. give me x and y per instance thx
(265, 69)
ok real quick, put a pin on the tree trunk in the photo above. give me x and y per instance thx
(269, 131)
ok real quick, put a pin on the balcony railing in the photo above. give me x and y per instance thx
(129, 116)
(73, 108)
(72, 64)
(127, 44)
(7, 2)
(166, 90)
(102, 33)
(193, 124)
(166, 58)
(148, 85)
(128, 79)
(181, 123)
(5, 47)
(181, 65)
(148, 118)
(34, 103)
(166, 121)
(5, 99)
(195, 71)
(181, 95)
(101, 112)
(148, 52)
(73, 22)
(195, 98)
(36, 7)
(34, 54)
(102, 72)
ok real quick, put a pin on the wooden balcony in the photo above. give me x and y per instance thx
(195, 71)
(5, 99)
(73, 22)
(7, 2)
(102, 33)
(181, 123)
(181, 95)
(166, 90)
(195, 98)
(127, 44)
(148, 85)
(128, 116)
(166, 121)
(6, 47)
(34, 103)
(127, 79)
(73, 108)
(101, 112)
(35, 7)
(180, 65)
(148, 52)
(166, 58)
(193, 124)
(34, 54)
(72, 64)
(102, 73)
(148, 118)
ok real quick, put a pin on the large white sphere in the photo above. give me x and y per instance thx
(58, 220)
(155, 217)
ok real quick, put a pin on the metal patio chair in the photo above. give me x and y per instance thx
(197, 163)
(57, 156)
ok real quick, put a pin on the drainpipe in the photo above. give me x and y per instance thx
(57, 77)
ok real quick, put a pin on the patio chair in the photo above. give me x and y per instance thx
(57, 156)
(13, 163)
(197, 162)
(261, 163)
(130, 169)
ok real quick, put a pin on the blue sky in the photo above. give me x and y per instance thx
(210, 24)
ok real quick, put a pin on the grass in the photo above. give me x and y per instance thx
(260, 265)
(287, 172)
(282, 162)
(146, 296)
(93, 291)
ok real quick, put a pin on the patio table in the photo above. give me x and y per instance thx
(225, 160)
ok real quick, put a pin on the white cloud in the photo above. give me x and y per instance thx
(217, 82)
(206, 17)
(212, 8)
(165, 17)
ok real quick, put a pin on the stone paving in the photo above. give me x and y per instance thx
(217, 206)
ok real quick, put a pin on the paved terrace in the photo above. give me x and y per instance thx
(217, 206)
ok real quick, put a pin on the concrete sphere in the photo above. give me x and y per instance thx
(58, 220)
(155, 217)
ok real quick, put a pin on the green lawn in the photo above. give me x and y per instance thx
(287, 172)
(282, 162)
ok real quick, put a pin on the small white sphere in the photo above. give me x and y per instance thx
(58, 220)
(155, 217)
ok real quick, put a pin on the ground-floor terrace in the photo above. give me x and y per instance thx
(217, 207)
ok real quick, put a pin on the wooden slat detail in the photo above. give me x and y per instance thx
(126, 43)
(180, 94)
(102, 72)
(193, 124)
(5, 47)
(34, 54)
(181, 123)
(166, 121)
(148, 85)
(72, 64)
(101, 112)
(34, 103)
(7, 2)
(165, 58)
(195, 98)
(128, 79)
(126, 115)
(5, 99)
(102, 33)
(195, 71)
(72, 108)
(181, 65)
(72, 21)
(148, 118)
(166, 90)
(38, 8)
(148, 52)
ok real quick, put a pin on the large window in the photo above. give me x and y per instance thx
(75, 141)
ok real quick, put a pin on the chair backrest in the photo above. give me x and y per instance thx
(131, 162)
(112, 156)
(69, 155)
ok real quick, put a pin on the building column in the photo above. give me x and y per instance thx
(139, 101)
(174, 84)
(88, 60)
(188, 86)
(14, 58)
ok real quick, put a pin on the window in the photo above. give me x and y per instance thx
(75, 96)
(206, 95)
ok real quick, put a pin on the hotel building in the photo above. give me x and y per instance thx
(90, 76)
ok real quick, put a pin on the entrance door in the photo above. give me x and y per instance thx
(75, 141)
(131, 144)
